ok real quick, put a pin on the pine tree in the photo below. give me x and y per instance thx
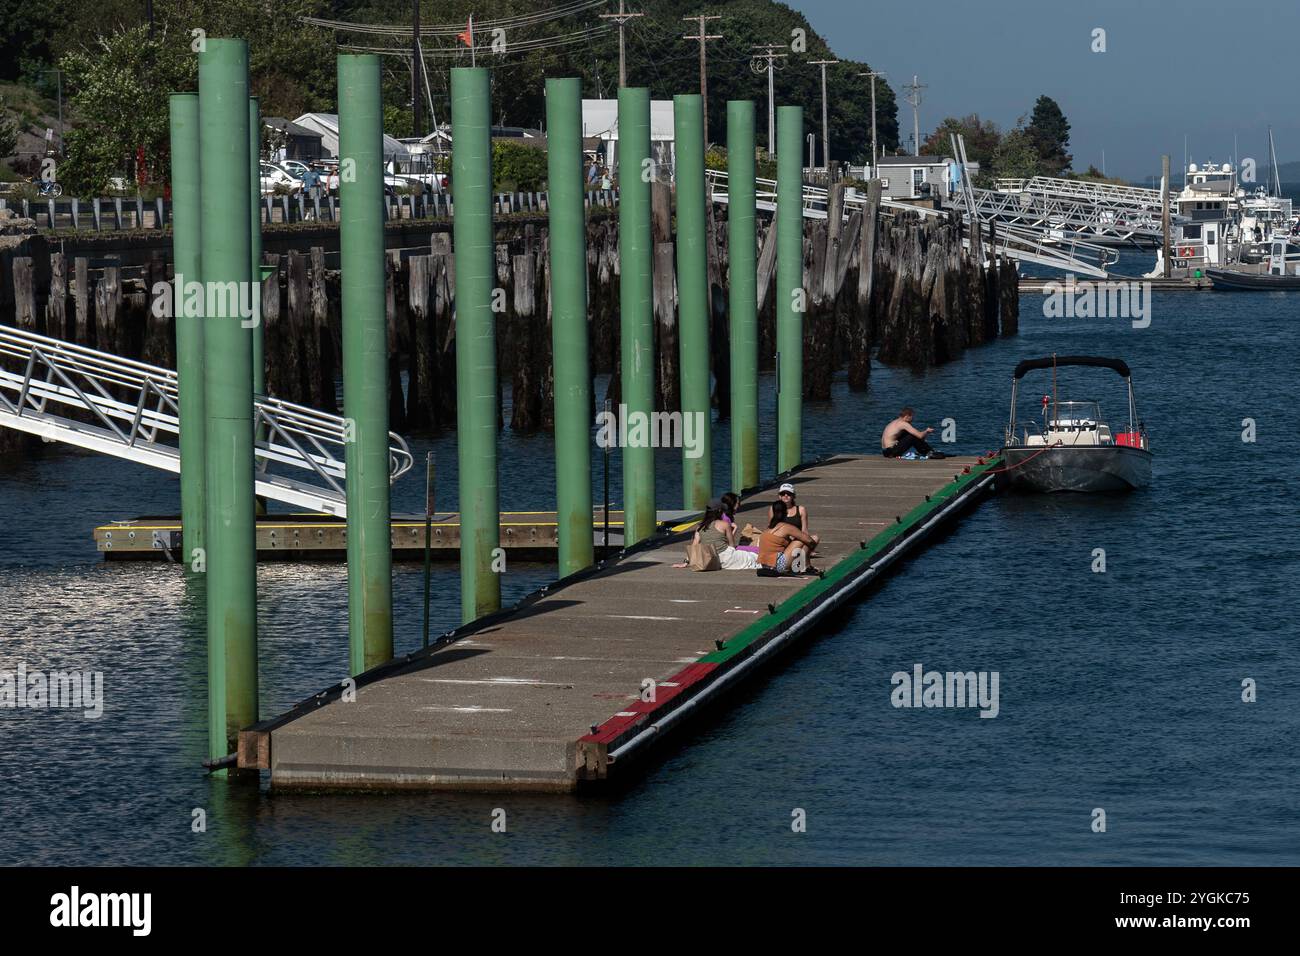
(1049, 131)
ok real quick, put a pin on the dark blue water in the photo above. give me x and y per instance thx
(1119, 690)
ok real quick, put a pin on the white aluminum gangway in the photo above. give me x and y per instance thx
(1023, 243)
(130, 410)
(1101, 213)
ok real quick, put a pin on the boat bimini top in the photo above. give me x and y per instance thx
(1074, 423)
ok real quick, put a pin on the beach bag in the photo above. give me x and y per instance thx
(702, 557)
(750, 533)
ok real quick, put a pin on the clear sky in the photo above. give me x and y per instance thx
(1207, 69)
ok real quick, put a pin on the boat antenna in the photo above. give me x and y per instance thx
(1055, 405)
(1272, 162)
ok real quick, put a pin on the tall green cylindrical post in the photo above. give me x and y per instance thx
(228, 388)
(189, 328)
(790, 295)
(635, 253)
(365, 362)
(693, 300)
(568, 250)
(255, 239)
(476, 364)
(742, 299)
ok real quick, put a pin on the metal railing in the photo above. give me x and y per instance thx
(131, 410)
(117, 214)
(1024, 243)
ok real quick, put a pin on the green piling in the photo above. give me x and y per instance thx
(790, 295)
(568, 251)
(228, 388)
(742, 298)
(476, 369)
(365, 362)
(255, 240)
(189, 328)
(255, 257)
(635, 251)
(693, 299)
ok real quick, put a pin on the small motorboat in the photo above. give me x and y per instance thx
(1073, 448)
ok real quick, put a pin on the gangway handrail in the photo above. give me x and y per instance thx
(133, 405)
(1025, 243)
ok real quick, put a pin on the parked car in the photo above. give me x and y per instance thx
(295, 168)
(274, 177)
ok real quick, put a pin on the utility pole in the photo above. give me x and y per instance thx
(703, 40)
(621, 18)
(756, 66)
(914, 97)
(874, 154)
(416, 64)
(826, 129)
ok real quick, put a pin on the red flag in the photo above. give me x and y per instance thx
(467, 37)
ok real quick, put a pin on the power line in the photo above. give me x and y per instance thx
(519, 46)
(826, 130)
(914, 97)
(455, 29)
(621, 18)
(703, 39)
(768, 53)
(874, 153)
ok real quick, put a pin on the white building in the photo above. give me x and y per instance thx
(327, 124)
(600, 120)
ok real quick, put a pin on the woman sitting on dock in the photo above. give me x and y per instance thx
(784, 546)
(717, 530)
(730, 502)
(795, 513)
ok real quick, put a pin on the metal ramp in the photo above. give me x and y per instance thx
(1022, 242)
(130, 410)
(1117, 216)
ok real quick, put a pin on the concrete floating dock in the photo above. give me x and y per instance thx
(548, 696)
(310, 537)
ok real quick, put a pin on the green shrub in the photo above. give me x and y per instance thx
(8, 135)
(516, 166)
(20, 191)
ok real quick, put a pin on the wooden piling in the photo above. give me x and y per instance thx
(24, 295)
(668, 386)
(83, 334)
(422, 398)
(56, 308)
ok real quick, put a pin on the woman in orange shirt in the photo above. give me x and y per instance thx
(783, 546)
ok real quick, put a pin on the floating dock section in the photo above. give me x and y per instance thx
(525, 535)
(570, 687)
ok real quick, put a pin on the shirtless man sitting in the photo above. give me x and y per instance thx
(900, 435)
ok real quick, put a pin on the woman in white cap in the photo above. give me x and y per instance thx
(795, 513)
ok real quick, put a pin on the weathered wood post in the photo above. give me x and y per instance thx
(56, 309)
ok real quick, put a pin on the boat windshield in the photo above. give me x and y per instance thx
(1073, 415)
